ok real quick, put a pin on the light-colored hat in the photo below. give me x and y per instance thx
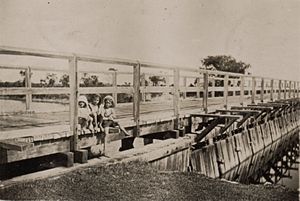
(111, 99)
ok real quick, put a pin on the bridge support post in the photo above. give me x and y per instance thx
(205, 91)
(74, 86)
(114, 83)
(176, 98)
(279, 89)
(136, 98)
(184, 84)
(272, 90)
(242, 90)
(284, 94)
(294, 91)
(262, 90)
(28, 86)
(253, 94)
(290, 89)
(81, 156)
(226, 91)
(143, 84)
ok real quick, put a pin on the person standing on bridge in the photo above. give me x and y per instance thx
(108, 116)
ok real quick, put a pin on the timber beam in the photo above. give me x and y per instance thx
(245, 113)
(217, 119)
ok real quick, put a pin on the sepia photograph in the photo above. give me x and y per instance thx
(149, 100)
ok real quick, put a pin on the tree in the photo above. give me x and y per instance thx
(225, 63)
(50, 80)
(156, 79)
(64, 80)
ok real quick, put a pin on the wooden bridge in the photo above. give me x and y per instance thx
(189, 101)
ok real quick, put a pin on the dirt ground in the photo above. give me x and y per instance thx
(139, 181)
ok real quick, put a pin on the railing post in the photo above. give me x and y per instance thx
(284, 94)
(28, 87)
(279, 89)
(272, 90)
(205, 92)
(290, 89)
(294, 93)
(262, 90)
(198, 85)
(298, 89)
(242, 90)
(136, 98)
(213, 83)
(184, 84)
(176, 98)
(114, 83)
(253, 94)
(143, 84)
(74, 86)
(226, 91)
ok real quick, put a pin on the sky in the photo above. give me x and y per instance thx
(265, 33)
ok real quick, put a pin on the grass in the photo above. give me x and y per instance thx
(139, 181)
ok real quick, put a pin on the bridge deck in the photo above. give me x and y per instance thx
(148, 111)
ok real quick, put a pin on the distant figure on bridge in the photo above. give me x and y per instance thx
(84, 118)
(95, 105)
(108, 116)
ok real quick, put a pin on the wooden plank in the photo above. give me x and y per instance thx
(37, 151)
(184, 86)
(253, 90)
(280, 88)
(33, 52)
(242, 90)
(35, 91)
(272, 90)
(176, 97)
(62, 130)
(48, 90)
(136, 97)
(188, 89)
(205, 92)
(114, 83)
(28, 86)
(12, 144)
(98, 90)
(285, 89)
(216, 115)
(74, 94)
(290, 89)
(262, 89)
(154, 89)
(226, 91)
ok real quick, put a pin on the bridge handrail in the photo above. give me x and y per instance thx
(207, 76)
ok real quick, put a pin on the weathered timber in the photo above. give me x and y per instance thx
(13, 144)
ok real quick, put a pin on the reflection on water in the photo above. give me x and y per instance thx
(276, 164)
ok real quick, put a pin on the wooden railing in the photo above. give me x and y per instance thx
(207, 84)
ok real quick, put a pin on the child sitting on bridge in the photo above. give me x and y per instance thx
(108, 116)
(84, 118)
(95, 105)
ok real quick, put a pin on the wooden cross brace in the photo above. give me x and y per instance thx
(245, 113)
(264, 111)
(216, 119)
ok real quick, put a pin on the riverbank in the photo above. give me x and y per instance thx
(139, 181)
